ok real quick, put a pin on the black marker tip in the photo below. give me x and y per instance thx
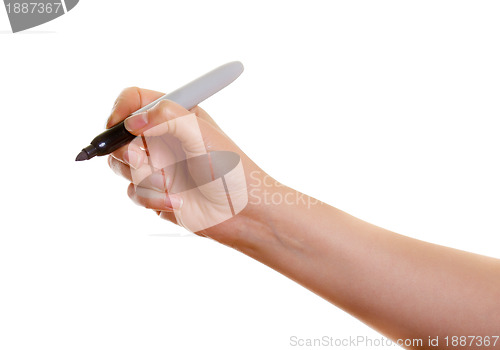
(88, 152)
(81, 156)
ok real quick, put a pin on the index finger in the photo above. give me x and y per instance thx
(130, 100)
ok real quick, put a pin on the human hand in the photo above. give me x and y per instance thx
(185, 167)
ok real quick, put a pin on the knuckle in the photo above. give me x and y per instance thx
(164, 106)
(126, 92)
(133, 89)
(124, 95)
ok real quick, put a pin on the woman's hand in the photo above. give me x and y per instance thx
(185, 167)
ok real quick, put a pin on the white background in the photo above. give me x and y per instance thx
(385, 109)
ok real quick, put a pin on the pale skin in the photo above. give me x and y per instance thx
(402, 287)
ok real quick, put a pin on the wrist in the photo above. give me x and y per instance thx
(254, 228)
(274, 223)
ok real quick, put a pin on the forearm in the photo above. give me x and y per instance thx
(402, 287)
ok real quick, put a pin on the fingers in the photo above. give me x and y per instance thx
(168, 117)
(131, 155)
(153, 163)
(130, 100)
(120, 168)
(162, 112)
(152, 199)
(160, 180)
(125, 171)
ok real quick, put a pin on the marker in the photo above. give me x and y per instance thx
(187, 96)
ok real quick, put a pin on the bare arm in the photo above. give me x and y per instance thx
(402, 287)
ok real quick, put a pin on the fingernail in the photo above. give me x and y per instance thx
(136, 122)
(175, 202)
(132, 159)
